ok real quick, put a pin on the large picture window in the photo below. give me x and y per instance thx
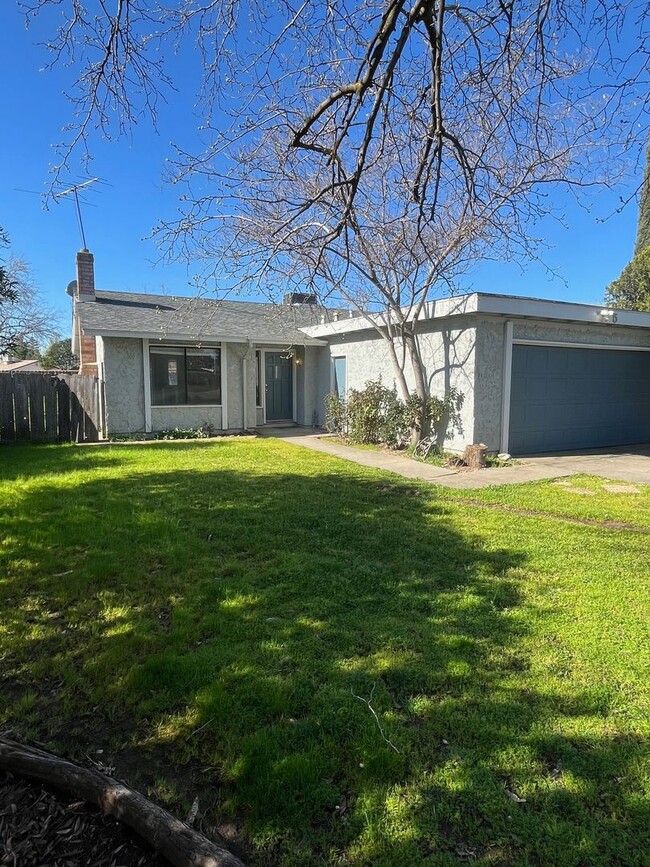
(184, 376)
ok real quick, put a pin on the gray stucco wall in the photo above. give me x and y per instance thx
(488, 382)
(317, 384)
(168, 417)
(611, 335)
(235, 354)
(123, 374)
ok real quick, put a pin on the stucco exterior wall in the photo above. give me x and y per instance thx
(488, 382)
(168, 417)
(449, 359)
(611, 335)
(316, 384)
(448, 353)
(123, 376)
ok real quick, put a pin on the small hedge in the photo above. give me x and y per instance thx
(187, 433)
(376, 415)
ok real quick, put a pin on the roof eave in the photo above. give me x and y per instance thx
(304, 339)
(506, 306)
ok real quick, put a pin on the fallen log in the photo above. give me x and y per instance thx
(176, 841)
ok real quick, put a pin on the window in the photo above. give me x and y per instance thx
(340, 376)
(184, 376)
(258, 377)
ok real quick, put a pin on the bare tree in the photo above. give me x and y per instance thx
(370, 149)
(24, 319)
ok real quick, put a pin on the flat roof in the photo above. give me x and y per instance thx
(507, 306)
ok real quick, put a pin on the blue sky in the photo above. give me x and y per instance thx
(585, 255)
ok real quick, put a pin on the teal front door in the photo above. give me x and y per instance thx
(279, 387)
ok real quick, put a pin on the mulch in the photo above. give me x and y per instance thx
(40, 827)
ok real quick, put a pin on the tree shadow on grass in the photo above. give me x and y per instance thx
(324, 655)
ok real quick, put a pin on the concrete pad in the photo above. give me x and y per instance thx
(626, 464)
(621, 489)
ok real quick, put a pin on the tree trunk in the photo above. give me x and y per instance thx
(399, 370)
(179, 843)
(420, 383)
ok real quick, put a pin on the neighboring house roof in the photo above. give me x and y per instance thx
(130, 314)
(500, 305)
(28, 364)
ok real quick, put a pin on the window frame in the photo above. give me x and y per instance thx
(333, 388)
(159, 348)
(259, 384)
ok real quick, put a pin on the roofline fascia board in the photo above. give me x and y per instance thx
(508, 306)
(185, 338)
(565, 311)
(441, 308)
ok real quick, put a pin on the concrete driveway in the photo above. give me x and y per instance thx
(626, 464)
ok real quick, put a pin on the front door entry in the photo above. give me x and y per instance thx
(279, 387)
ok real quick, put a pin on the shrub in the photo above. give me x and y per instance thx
(376, 415)
(187, 433)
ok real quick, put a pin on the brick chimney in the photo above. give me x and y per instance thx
(85, 276)
(85, 291)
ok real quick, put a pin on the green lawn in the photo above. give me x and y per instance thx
(346, 667)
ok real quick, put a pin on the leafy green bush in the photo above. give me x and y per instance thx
(187, 433)
(376, 415)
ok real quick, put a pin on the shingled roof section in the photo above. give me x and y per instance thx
(202, 319)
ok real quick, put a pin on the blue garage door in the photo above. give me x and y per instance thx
(566, 398)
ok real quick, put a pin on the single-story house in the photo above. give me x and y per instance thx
(535, 375)
(27, 364)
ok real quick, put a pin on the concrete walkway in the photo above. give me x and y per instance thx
(625, 464)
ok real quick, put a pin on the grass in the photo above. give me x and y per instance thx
(346, 667)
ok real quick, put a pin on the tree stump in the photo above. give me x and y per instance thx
(474, 456)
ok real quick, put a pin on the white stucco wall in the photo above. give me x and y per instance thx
(447, 349)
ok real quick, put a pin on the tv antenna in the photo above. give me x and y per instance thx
(74, 192)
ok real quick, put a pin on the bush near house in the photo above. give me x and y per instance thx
(375, 415)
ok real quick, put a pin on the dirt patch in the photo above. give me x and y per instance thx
(566, 519)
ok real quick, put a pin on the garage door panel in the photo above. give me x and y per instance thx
(572, 398)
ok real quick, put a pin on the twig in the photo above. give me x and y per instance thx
(200, 728)
(367, 701)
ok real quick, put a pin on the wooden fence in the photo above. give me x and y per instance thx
(44, 407)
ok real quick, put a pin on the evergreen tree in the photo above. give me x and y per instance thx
(59, 355)
(643, 229)
(631, 290)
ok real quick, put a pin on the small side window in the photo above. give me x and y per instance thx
(340, 376)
